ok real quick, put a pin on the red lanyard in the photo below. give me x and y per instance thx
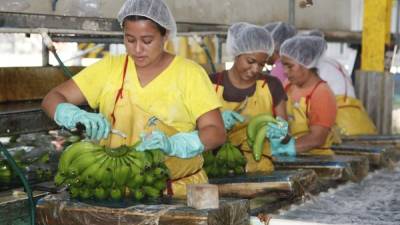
(119, 94)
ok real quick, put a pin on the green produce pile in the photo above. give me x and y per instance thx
(256, 133)
(32, 161)
(95, 172)
(228, 161)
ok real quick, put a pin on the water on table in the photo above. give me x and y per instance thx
(374, 201)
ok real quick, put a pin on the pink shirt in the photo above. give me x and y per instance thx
(277, 71)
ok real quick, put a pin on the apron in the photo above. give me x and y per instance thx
(182, 171)
(299, 124)
(351, 118)
(259, 102)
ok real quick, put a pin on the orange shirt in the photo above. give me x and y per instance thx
(322, 104)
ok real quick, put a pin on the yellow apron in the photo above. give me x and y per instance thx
(182, 171)
(260, 102)
(298, 123)
(351, 118)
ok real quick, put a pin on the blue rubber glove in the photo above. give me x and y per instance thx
(277, 130)
(68, 115)
(231, 118)
(288, 149)
(182, 145)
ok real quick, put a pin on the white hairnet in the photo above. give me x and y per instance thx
(280, 31)
(306, 50)
(248, 38)
(155, 10)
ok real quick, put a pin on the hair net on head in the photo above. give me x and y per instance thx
(280, 31)
(306, 50)
(155, 10)
(248, 38)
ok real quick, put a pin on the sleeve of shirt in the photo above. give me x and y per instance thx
(277, 91)
(92, 79)
(200, 95)
(323, 107)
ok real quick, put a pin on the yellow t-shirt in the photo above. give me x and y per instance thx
(178, 96)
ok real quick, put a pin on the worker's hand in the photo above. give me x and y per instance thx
(277, 130)
(288, 149)
(182, 145)
(69, 115)
(231, 118)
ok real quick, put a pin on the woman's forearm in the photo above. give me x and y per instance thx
(212, 137)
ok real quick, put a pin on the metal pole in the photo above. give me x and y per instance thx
(292, 12)
(45, 55)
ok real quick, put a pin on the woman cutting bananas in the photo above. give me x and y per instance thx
(146, 83)
(311, 104)
(245, 92)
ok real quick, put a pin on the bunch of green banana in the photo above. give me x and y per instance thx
(95, 172)
(256, 133)
(228, 161)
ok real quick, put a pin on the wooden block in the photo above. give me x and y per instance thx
(202, 196)
(279, 183)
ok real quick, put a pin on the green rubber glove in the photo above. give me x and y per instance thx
(231, 118)
(68, 115)
(182, 145)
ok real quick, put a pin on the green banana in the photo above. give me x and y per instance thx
(123, 173)
(100, 193)
(255, 123)
(149, 178)
(259, 143)
(160, 185)
(88, 175)
(74, 151)
(84, 161)
(151, 192)
(59, 179)
(116, 194)
(158, 156)
(85, 193)
(135, 181)
(74, 192)
(138, 194)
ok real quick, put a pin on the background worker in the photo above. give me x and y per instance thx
(245, 92)
(352, 118)
(311, 104)
(280, 32)
(147, 82)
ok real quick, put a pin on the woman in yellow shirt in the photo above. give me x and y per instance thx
(245, 92)
(145, 83)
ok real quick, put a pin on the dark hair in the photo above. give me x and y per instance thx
(314, 70)
(162, 30)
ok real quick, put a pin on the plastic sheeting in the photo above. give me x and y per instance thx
(59, 209)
